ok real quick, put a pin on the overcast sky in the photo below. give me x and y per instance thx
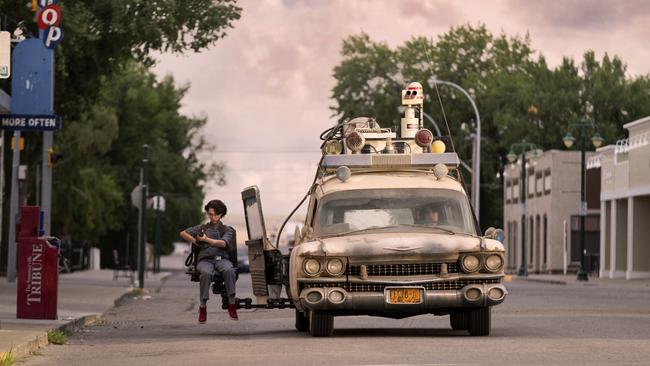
(265, 87)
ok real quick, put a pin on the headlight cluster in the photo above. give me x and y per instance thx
(471, 263)
(331, 266)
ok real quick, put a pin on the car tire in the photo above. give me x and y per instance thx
(459, 320)
(302, 321)
(479, 321)
(321, 324)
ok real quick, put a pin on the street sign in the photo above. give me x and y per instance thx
(158, 203)
(49, 20)
(136, 196)
(26, 122)
(5, 55)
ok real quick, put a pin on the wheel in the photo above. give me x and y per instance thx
(479, 321)
(302, 321)
(321, 324)
(458, 320)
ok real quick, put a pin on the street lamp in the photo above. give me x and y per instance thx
(523, 147)
(596, 141)
(476, 159)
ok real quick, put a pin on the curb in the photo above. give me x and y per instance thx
(23, 350)
(541, 280)
(20, 351)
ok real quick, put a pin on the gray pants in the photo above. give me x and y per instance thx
(207, 268)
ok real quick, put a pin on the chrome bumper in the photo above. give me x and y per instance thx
(336, 298)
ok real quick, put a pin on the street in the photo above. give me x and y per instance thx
(539, 323)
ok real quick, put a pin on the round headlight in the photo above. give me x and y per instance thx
(473, 294)
(312, 267)
(495, 293)
(335, 266)
(493, 263)
(471, 263)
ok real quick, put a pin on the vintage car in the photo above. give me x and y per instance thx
(389, 232)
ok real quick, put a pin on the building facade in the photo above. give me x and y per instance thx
(625, 203)
(552, 201)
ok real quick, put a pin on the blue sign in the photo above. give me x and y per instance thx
(31, 83)
(25, 122)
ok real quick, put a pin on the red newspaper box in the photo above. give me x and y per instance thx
(29, 222)
(38, 271)
(38, 279)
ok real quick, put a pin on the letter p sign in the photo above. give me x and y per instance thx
(52, 37)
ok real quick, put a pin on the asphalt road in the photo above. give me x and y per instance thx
(537, 324)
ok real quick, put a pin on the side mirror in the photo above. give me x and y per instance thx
(496, 234)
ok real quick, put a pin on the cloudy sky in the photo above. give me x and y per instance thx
(265, 87)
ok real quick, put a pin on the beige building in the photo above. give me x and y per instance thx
(625, 203)
(553, 198)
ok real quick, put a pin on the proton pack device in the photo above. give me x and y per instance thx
(192, 260)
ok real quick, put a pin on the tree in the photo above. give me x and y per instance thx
(111, 104)
(519, 96)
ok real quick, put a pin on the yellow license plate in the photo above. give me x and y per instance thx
(405, 295)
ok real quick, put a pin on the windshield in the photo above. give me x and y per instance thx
(360, 210)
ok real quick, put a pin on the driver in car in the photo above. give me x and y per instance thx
(430, 216)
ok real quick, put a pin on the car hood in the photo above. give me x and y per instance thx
(397, 244)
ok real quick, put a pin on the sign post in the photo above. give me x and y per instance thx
(159, 207)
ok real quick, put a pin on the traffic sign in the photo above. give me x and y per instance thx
(27, 122)
(158, 203)
(136, 196)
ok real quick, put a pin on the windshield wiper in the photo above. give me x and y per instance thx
(448, 231)
(360, 230)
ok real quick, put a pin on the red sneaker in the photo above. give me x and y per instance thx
(232, 311)
(203, 314)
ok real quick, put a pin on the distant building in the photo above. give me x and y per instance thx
(625, 203)
(553, 200)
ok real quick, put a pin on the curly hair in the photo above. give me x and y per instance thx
(218, 206)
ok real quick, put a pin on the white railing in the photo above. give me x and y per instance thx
(622, 146)
(639, 140)
(593, 162)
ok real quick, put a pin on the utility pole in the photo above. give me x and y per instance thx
(597, 141)
(142, 240)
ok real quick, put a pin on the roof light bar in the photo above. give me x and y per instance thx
(390, 160)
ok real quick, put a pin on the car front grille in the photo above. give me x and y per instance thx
(379, 287)
(403, 269)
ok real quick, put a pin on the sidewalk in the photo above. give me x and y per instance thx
(83, 297)
(570, 279)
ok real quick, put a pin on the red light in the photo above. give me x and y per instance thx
(424, 138)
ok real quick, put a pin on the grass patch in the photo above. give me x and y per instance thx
(56, 336)
(136, 291)
(7, 359)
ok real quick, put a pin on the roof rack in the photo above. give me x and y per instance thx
(390, 161)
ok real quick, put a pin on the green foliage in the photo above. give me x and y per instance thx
(518, 95)
(58, 337)
(7, 358)
(112, 104)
